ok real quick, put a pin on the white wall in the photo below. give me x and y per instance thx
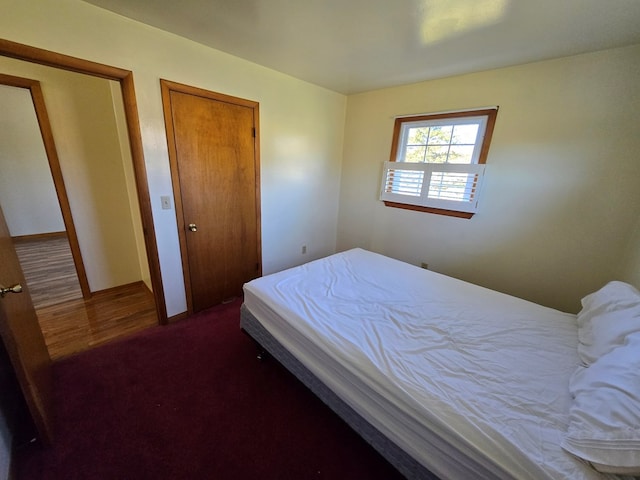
(561, 194)
(301, 124)
(30, 205)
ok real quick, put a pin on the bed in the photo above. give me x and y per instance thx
(444, 378)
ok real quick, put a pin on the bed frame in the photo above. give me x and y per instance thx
(405, 464)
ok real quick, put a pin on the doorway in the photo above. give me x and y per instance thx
(214, 158)
(41, 216)
(121, 84)
(34, 195)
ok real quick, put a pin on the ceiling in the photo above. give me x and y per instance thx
(352, 46)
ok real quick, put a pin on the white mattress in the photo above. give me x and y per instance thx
(460, 377)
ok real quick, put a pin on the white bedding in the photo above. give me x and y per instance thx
(461, 377)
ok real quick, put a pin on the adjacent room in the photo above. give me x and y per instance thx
(234, 233)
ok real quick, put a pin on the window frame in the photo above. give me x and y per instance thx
(397, 148)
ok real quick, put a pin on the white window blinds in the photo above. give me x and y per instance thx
(446, 186)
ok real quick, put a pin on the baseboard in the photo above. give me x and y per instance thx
(178, 317)
(147, 287)
(38, 236)
(120, 287)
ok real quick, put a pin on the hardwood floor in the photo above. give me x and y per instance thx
(78, 325)
(69, 323)
(48, 269)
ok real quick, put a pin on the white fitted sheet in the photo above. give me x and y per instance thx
(422, 356)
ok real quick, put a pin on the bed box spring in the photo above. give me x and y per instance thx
(405, 464)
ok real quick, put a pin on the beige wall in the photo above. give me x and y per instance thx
(561, 194)
(83, 121)
(630, 263)
(301, 124)
(130, 181)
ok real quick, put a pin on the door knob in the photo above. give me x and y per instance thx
(17, 288)
(193, 227)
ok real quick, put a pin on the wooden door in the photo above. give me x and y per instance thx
(23, 339)
(213, 144)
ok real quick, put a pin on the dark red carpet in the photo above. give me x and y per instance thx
(190, 401)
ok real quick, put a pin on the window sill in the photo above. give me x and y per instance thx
(437, 211)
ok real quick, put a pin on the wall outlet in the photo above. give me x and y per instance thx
(304, 249)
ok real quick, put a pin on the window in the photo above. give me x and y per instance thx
(437, 162)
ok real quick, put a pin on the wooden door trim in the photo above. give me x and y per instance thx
(166, 87)
(56, 173)
(125, 78)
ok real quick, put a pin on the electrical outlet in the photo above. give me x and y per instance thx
(304, 249)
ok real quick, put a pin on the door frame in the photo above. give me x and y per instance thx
(125, 79)
(56, 172)
(166, 87)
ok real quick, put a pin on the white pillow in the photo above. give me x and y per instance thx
(606, 318)
(604, 419)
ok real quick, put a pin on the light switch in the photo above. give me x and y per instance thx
(166, 202)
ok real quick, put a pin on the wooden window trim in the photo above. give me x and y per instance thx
(490, 113)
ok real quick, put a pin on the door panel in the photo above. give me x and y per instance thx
(23, 339)
(216, 161)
